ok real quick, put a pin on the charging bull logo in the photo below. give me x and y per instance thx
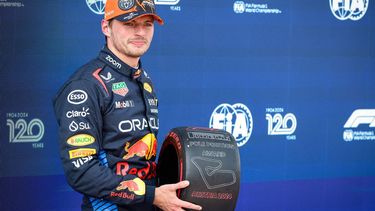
(136, 186)
(146, 147)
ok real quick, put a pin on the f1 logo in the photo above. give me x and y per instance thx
(361, 116)
(167, 2)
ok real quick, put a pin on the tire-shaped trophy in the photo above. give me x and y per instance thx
(209, 159)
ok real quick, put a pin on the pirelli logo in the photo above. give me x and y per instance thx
(81, 152)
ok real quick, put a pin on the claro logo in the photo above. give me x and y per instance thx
(77, 97)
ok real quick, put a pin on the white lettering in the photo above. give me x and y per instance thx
(136, 124)
(113, 61)
(78, 163)
(83, 113)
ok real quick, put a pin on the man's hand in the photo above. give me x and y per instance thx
(166, 199)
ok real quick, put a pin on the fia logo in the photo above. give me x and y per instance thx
(348, 9)
(235, 119)
(96, 6)
(21, 131)
(278, 125)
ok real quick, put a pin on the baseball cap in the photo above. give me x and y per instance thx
(127, 10)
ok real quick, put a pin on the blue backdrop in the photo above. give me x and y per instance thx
(292, 80)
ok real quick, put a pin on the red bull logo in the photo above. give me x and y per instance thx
(136, 186)
(146, 147)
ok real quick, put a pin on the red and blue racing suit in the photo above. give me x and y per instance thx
(107, 113)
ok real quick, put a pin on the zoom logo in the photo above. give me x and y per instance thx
(235, 119)
(279, 124)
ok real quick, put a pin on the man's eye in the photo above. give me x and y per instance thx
(129, 24)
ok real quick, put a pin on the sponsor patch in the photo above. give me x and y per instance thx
(136, 186)
(80, 140)
(120, 88)
(82, 152)
(147, 87)
(77, 97)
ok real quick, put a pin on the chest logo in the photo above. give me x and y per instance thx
(147, 87)
(120, 88)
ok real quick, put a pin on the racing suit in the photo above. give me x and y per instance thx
(107, 114)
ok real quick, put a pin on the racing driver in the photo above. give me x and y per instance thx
(107, 114)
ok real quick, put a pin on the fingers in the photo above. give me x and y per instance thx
(182, 184)
(189, 205)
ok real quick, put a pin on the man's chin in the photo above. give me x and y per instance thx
(137, 53)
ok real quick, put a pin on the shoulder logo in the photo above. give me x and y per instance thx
(77, 97)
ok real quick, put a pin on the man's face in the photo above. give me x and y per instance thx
(133, 38)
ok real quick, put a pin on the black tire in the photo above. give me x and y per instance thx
(209, 159)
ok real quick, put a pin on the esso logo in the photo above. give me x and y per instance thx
(77, 97)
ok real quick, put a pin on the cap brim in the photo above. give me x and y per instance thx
(125, 18)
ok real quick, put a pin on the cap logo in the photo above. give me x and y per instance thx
(125, 4)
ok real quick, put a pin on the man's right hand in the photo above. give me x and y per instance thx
(166, 198)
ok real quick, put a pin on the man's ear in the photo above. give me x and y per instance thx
(106, 29)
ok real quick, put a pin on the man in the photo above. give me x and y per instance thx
(108, 119)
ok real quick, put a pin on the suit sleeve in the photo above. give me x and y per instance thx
(78, 109)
